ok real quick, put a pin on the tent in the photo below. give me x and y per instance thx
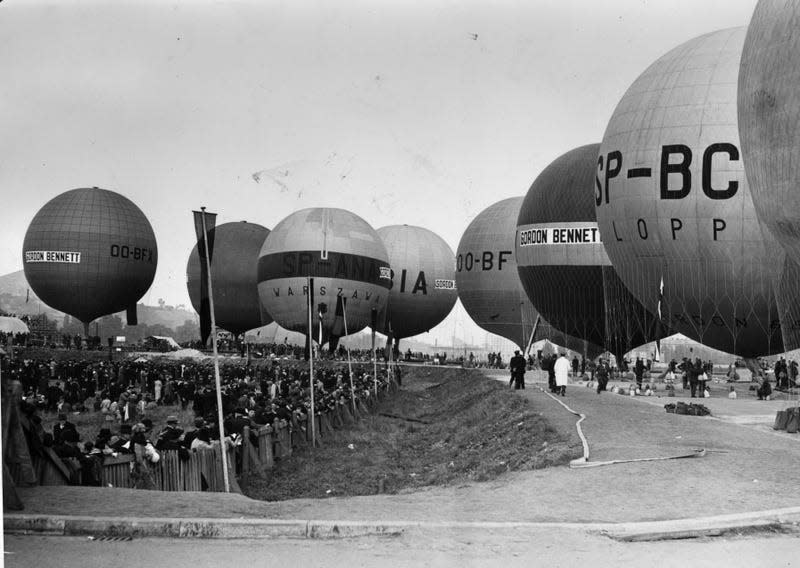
(10, 324)
(162, 342)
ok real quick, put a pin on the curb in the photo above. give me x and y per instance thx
(788, 518)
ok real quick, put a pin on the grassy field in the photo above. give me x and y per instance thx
(445, 426)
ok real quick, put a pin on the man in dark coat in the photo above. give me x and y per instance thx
(517, 366)
(62, 426)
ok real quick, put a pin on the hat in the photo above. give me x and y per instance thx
(172, 418)
(199, 422)
(147, 423)
(104, 434)
(62, 416)
(516, 352)
(125, 429)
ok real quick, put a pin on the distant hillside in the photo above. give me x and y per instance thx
(14, 292)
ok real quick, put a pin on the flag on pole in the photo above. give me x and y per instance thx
(309, 308)
(205, 307)
(338, 329)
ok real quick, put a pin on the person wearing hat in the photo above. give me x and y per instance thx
(190, 435)
(169, 437)
(60, 427)
(517, 366)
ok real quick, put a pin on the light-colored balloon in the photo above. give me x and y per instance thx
(423, 288)
(769, 118)
(674, 207)
(769, 126)
(343, 254)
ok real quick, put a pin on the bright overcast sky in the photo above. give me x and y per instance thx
(418, 112)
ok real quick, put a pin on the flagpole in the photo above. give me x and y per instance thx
(349, 362)
(311, 421)
(223, 448)
(374, 365)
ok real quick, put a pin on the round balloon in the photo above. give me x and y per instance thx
(487, 280)
(234, 275)
(769, 110)
(345, 257)
(563, 264)
(90, 252)
(423, 288)
(769, 118)
(673, 204)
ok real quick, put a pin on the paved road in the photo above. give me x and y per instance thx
(550, 548)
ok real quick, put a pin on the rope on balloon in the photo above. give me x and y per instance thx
(583, 462)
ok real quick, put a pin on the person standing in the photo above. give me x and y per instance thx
(561, 368)
(638, 371)
(602, 373)
(517, 365)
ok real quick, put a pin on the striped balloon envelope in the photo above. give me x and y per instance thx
(347, 261)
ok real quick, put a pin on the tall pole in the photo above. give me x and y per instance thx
(223, 448)
(349, 361)
(374, 365)
(311, 419)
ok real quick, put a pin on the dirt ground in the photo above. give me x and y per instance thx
(445, 426)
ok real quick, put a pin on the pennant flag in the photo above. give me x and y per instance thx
(338, 324)
(205, 306)
(387, 352)
(131, 316)
(309, 310)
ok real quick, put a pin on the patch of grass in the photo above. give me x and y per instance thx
(476, 430)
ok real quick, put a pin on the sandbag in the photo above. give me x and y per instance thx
(793, 423)
(781, 419)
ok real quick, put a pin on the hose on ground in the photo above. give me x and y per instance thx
(584, 462)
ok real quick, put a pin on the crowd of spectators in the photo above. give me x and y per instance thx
(125, 394)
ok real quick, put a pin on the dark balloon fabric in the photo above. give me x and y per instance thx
(90, 252)
(560, 257)
(234, 276)
(571, 282)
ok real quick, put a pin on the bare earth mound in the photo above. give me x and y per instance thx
(445, 426)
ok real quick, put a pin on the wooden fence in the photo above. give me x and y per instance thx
(202, 469)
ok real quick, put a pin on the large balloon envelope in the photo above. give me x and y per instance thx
(563, 264)
(769, 126)
(345, 257)
(487, 279)
(90, 252)
(234, 276)
(423, 287)
(673, 203)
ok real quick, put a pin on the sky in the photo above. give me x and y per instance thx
(417, 112)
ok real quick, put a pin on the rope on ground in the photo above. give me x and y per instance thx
(583, 462)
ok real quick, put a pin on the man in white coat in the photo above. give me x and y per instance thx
(562, 368)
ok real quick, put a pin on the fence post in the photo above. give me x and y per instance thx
(245, 449)
(265, 448)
